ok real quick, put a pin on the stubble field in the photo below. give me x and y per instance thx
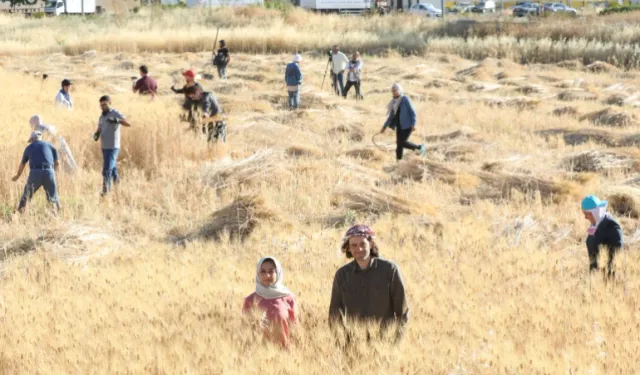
(487, 231)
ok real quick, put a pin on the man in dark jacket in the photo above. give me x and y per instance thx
(222, 59)
(402, 117)
(210, 110)
(369, 288)
(604, 231)
(43, 163)
(145, 85)
(293, 79)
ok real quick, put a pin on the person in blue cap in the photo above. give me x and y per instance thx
(604, 231)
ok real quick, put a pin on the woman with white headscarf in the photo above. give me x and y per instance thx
(276, 303)
(37, 125)
(402, 119)
(604, 231)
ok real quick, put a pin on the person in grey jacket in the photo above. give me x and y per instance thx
(402, 118)
(604, 231)
(293, 79)
(210, 110)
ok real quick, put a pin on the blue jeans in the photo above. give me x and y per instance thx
(222, 71)
(45, 178)
(294, 99)
(109, 169)
(338, 82)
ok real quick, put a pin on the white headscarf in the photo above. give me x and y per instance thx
(37, 125)
(394, 104)
(297, 58)
(599, 213)
(276, 290)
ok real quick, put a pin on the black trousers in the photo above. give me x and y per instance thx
(348, 86)
(594, 251)
(402, 142)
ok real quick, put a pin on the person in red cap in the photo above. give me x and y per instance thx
(369, 288)
(188, 104)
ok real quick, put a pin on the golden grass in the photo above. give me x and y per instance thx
(495, 286)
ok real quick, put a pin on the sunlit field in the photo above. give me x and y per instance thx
(487, 231)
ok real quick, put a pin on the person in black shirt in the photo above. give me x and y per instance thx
(222, 59)
(604, 231)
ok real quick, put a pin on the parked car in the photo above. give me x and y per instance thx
(485, 7)
(427, 10)
(461, 8)
(529, 9)
(558, 7)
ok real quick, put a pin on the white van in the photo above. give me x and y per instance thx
(488, 6)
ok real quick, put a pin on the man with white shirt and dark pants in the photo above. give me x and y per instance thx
(63, 98)
(109, 129)
(339, 63)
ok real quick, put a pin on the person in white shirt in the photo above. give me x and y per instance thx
(339, 63)
(354, 75)
(63, 99)
(37, 125)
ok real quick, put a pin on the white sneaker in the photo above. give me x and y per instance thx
(423, 150)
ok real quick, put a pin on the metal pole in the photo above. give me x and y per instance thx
(442, 8)
(82, 7)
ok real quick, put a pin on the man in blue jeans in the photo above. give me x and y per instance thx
(43, 162)
(109, 129)
(293, 80)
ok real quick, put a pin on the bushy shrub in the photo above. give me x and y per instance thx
(620, 9)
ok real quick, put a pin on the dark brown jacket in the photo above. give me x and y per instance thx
(375, 293)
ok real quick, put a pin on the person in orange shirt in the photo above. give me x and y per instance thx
(276, 303)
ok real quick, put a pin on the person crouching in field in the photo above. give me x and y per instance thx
(402, 118)
(210, 109)
(369, 289)
(273, 300)
(190, 77)
(604, 231)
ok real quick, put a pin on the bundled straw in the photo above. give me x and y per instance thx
(419, 170)
(505, 182)
(226, 171)
(303, 150)
(603, 161)
(580, 136)
(624, 201)
(366, 153)
(237, 220)
(375, 201)
(516, 102)
(465, 133)
(606, 117)
(353, 132)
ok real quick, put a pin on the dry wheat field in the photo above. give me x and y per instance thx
(487, 230)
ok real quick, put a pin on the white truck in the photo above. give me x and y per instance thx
(214, 3)
(57, 7)
(342, 6)
(22, 6)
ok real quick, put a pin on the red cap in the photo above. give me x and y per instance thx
(189, 73)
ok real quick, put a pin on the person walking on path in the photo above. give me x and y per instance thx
(63, 98)
(354, 75)
(222, 60)
(369, 288)
(43, 163)
(188, 104)
(145, 85)
(402, 118)
(210, 109)
(108, 132)
(275, 302)
(37, 125)
(339, 63)
(293, 79)
(604, 231)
